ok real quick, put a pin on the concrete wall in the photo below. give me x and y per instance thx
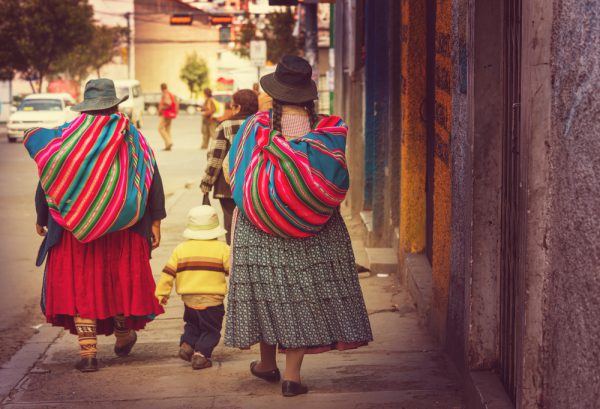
(461, 165)
(572, 324)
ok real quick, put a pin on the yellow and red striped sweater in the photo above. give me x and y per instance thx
(198, 268)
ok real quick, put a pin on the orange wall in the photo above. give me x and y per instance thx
(414, 141)
(442, 172)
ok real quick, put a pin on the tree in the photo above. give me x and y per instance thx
(38, 34)
(194, 73)
(101, 50)
(279, 35)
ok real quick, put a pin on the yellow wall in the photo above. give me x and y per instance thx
(414, 141)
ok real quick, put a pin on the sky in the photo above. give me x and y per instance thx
(111, 12)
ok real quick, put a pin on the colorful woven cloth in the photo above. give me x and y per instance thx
(96, 172)
(289, 188)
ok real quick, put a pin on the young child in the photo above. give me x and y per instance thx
(198, 266)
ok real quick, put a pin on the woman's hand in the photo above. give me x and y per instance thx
(41, 230)
(155, 234)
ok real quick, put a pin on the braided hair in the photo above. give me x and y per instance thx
(277, 114)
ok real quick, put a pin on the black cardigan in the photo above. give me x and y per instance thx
(155, 210)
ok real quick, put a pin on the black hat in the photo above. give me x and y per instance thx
(99, 94)
(291, 82)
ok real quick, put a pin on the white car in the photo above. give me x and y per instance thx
(40, 110)
(133, 107)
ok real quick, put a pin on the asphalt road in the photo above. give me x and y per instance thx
(20, 279)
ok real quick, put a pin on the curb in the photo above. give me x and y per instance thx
(14, 371)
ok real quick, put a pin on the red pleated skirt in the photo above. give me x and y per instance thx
(100, 279)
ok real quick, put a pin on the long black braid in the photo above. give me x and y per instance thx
(278, 113)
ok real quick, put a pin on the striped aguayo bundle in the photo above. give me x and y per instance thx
(289, 188)
(96, 172)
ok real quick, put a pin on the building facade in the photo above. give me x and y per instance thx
(473, 150)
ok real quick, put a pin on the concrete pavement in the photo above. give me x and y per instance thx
(402, 368)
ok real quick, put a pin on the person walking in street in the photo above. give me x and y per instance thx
(244, 105)
(293, 282)
(167, 109)
(99, 204)
(198, 266)
(208, 109)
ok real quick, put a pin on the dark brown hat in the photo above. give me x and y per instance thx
(291, 82)
(98, 95)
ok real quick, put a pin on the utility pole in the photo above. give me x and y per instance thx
(130, 63)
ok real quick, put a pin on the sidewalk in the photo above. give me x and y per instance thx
(402, 368)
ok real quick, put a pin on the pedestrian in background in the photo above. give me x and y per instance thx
(293, 282)
(208, 110)
(100, 217)
(167, 109)
(244, 104)
(198, 266)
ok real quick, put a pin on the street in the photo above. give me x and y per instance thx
(21, 280)
(403, 368)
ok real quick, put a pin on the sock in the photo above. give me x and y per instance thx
(121, 330)
(86, 332)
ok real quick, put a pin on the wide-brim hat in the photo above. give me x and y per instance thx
(203, 224)
(291, 82)
(98, 95)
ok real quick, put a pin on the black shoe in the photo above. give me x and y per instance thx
(291, 388)
(87, 365)
(271, 376)
(126, 349)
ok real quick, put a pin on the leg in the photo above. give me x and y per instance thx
(126, 338)
(168, 122)
(190, 330)
(293, 363)
(210, 323)
(228, 205)
(291, 385)
(86, 333)
(205, 133)
(164, 128)
(268, 361)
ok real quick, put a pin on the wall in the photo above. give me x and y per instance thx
(161, 49)
(414, 140)
(571, 326)
(461, 189)
(442, 183)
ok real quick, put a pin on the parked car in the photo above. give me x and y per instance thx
(191, 106)
(133, 107)
(151, 101)
(40, 110)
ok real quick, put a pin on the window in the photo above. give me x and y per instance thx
(41, 105)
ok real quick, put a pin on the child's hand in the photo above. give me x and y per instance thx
(164, 300)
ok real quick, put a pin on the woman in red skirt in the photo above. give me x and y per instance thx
(99, 205)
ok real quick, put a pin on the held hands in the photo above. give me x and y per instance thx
(163, 300)
(41, 230)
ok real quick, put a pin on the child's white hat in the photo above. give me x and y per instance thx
(203, 224)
